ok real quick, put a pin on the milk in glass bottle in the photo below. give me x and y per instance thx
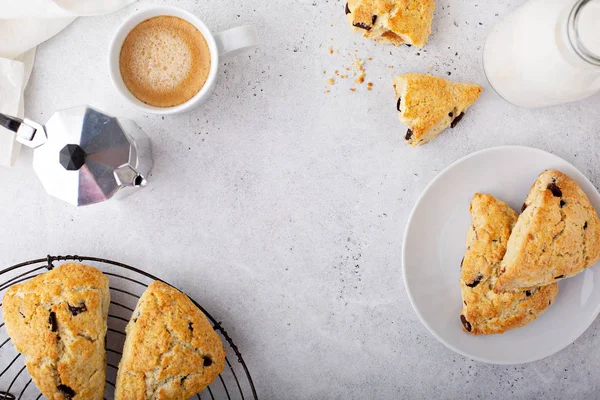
(546, 52)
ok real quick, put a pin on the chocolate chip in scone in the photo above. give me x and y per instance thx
(190, 327)
(465, 323)
(475, 282)
(554, 189)
(362, 25)
(52, 321)
(409, 134)
(528, 293)
(347, 9)
(550, 302)
(523, 207)
(409, 45)
(398, 104)
(457, 120)
(183, 379)
(562, 203)
(451, 114)
(207, 361)
(66, 391)
(373, 19)
(559, 277)
(585, 226)
(77, 309)
(465, 302)
(461, 262)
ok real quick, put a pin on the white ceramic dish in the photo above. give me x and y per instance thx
(434, 244)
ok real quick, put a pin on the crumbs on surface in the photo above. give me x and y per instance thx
(370, 86)
(352, 89)
(359, 70)
(330, 50)
(330, 82)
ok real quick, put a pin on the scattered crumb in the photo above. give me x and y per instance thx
(370, 58)
(391, 67)
(336, 72)
(324, 72)
(359, 70)
(327, 91)
(370, 86)
(344, 76)
(330, 50)
(330, 82)
(352, 89)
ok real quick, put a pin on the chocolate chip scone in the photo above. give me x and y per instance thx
(429, 104)
(171, 351)
(485, 312)
(392, 21)
(57, 320)
(556, 237)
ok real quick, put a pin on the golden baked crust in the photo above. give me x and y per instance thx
(485, 312)
(556, 237)
(57, 320)
(392, 21)
(429, 104)
(171, 351)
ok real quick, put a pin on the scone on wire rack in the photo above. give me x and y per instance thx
(484, 311)
(556, 237)
(171, 350)
(57, 320)
(392, 21)
(429, 104)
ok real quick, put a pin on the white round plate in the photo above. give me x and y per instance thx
(434, 244)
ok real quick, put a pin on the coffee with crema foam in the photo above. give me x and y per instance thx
(164, 61)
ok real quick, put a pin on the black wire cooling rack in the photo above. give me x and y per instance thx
(126, 286)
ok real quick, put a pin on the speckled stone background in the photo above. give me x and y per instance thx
(281, 208)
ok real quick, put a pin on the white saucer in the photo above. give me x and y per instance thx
(434, 244)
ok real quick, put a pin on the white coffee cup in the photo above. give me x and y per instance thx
(222, 46)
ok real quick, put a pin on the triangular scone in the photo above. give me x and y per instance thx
(171, 350)
(392, 21)
(429, 104)
(57, 320)
(485, 312)
(557, 235)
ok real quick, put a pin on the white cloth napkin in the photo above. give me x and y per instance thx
(23, 25)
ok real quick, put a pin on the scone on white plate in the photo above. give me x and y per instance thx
(429, 104)
(171, 350)
(57, 320)
(392, 21)
(484, 311)
(556, 237)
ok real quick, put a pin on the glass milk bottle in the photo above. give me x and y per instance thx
(546, 52)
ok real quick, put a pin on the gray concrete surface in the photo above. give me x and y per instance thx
(281, 208)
